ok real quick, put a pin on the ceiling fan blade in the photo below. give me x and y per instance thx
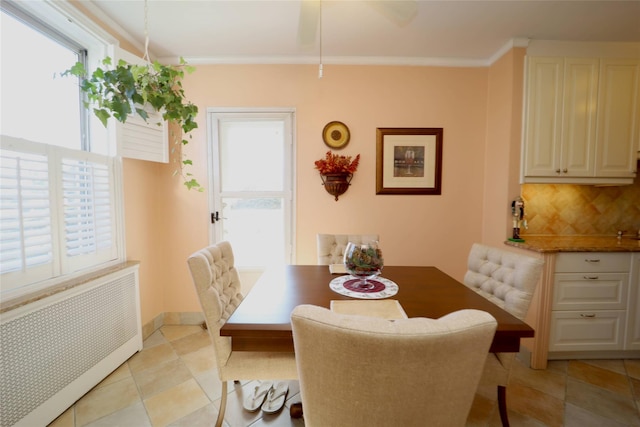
(401, 12)
(308, 23)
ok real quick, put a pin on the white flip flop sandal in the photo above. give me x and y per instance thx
(253, 402)
(276, 397)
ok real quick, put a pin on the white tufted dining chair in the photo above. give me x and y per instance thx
(361, 371)
(331, 247)
(508, 280)
(218, 287)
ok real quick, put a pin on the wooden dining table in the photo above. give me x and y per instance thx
(262, 321)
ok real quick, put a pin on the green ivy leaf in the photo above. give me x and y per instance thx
(102, 114)
(113, 91)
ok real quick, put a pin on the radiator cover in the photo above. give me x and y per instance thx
(56, 349)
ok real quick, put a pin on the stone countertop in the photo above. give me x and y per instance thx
(549, 244)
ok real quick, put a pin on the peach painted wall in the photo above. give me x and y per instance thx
(414, 230)
(503, 139)
(142, 224)
(165, 223)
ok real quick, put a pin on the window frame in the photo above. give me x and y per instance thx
(65, 19)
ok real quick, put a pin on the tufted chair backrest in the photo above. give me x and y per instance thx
(505, 278)
(331, 247)
(368, 371)
(218, 287)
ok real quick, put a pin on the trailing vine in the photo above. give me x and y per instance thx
(124, 89)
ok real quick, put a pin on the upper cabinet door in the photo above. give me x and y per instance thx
(618, 117)
(582, 120)
(578, 142)
(543, 116)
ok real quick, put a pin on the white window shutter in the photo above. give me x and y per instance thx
(140, 139)
(25, 225)
(88, 209)
(57, 211)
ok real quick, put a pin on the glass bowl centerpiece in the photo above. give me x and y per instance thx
(363, 261)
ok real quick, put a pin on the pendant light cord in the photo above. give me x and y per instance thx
(146, 31)
(320, 22)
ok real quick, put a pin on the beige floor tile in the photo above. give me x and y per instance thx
(481, 411)
(547, 381)
(200, 361)
(559, 366)
(602, 402)
(203, 417)
(105, 400)
(175, 332)
(535, 404)
(633, 368)
(175, 403)
(66, 419)
(154, 339)
(516, 419)
(635, 388)
(600, 377)
(578, 417)
(119, 374)
(151, 357)
(211, 384)
(615, 365)
(192, 342)
(131, 416)
(161, 377)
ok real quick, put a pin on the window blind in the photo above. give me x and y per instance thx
(25, 224)
(57, 214)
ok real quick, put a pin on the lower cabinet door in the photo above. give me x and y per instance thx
(587, 330)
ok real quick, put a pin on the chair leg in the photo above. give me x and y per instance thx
(223, 405)
(502, 405)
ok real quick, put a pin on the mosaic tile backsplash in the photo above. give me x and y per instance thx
(566, 209)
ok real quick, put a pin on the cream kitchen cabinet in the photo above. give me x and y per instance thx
(633, 315)
(618, 117)
(581, 120)
(590, 303)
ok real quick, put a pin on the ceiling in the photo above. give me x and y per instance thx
(418, 32)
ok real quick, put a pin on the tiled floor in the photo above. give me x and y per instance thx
(173, 382)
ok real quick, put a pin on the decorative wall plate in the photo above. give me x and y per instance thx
(336, 134)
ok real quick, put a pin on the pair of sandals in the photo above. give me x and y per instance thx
(268, 395)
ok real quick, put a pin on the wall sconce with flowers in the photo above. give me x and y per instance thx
(336, 172)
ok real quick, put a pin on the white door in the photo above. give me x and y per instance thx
(251, 154)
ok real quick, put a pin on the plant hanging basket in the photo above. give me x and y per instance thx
(336, 183)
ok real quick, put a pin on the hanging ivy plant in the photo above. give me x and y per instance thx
(121, 90)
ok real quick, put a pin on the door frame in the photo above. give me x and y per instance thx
(215, 113)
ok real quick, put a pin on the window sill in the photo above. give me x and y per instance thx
(64, 285)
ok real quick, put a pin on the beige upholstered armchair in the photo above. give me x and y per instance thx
(508, 280)
(331, 246)
(367, 371)
(218, 287)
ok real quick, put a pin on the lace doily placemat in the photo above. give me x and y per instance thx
(346, 285)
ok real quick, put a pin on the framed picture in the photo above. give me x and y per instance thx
(409, 160)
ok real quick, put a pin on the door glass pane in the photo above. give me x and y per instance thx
(252, 151)
(255, 228)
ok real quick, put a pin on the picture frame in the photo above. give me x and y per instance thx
(409, 161)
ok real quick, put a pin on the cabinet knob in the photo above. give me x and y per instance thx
(591, 260)
(564, 170)
(588, 315)
(590, 277)
(558, 170)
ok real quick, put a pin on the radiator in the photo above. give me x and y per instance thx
(56, 349)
